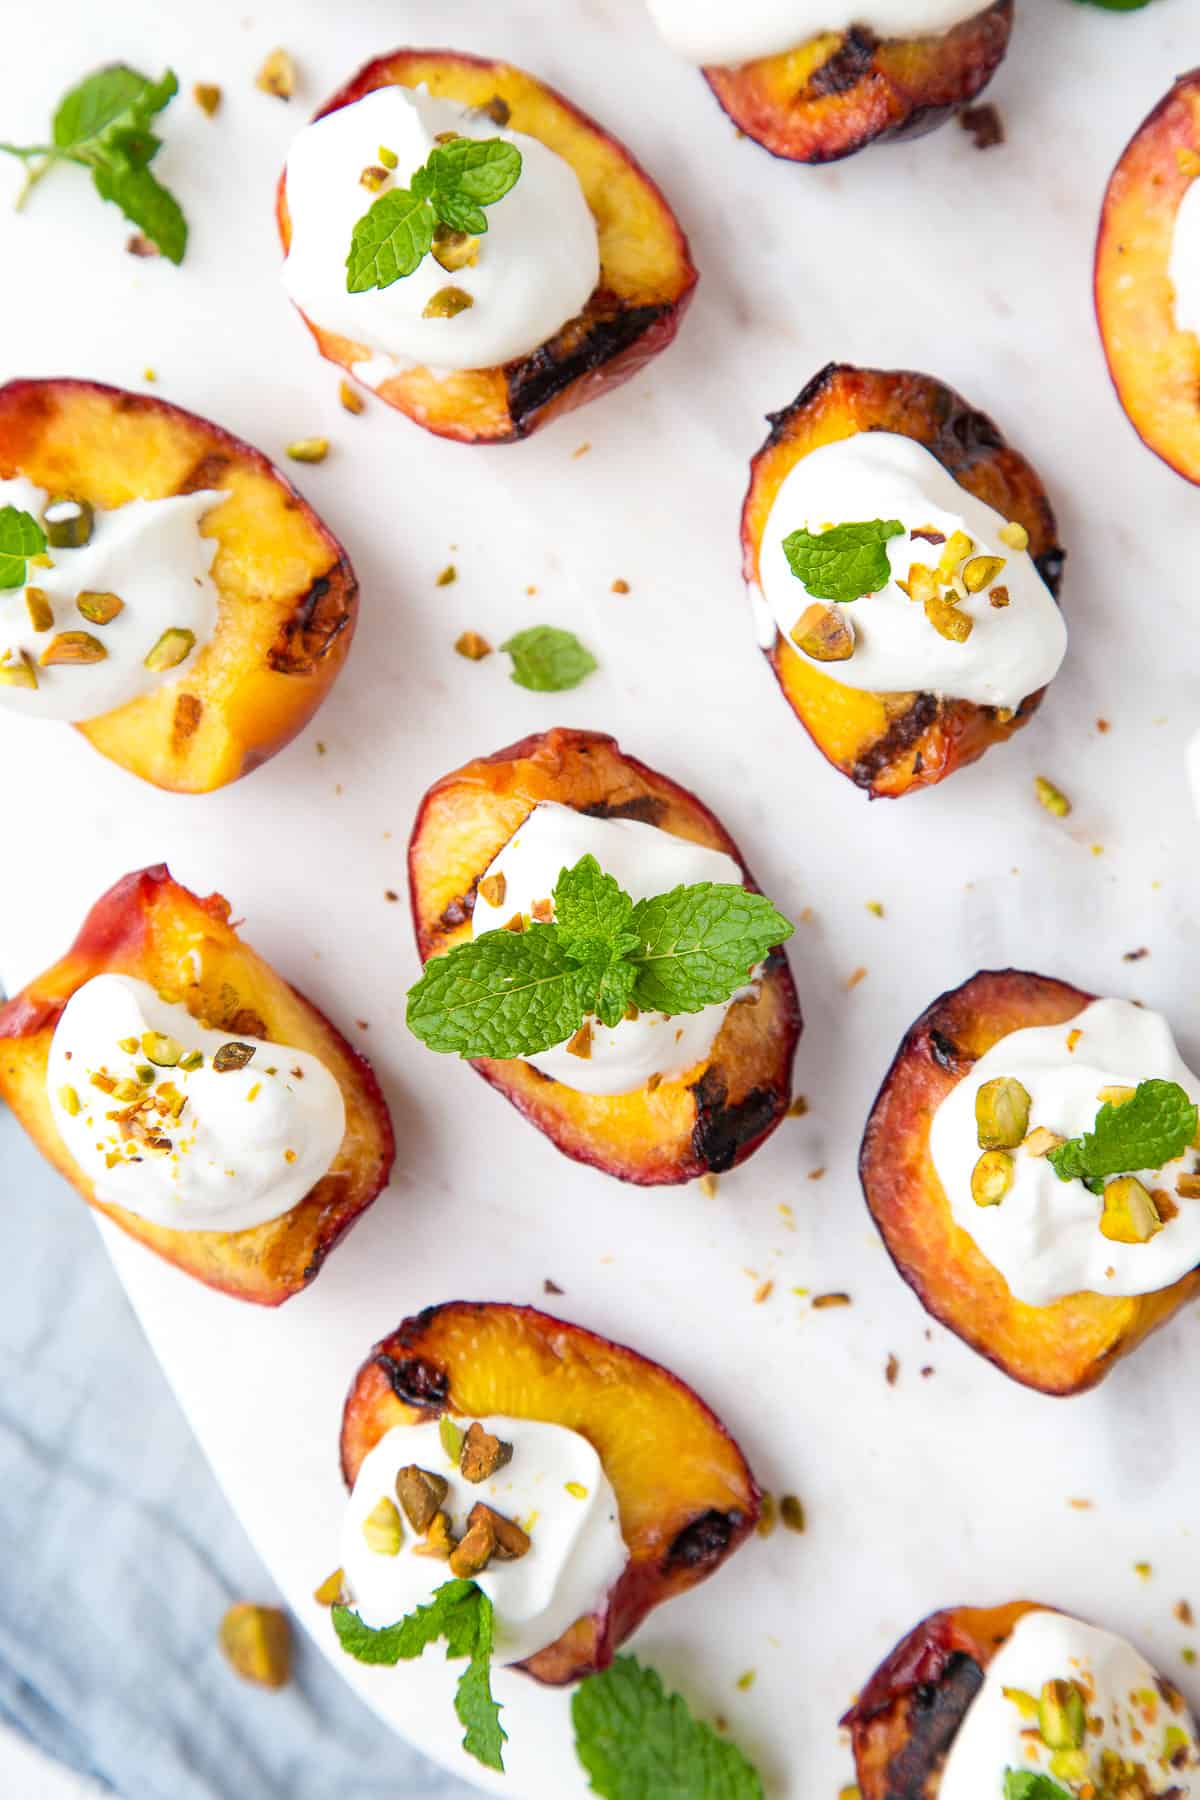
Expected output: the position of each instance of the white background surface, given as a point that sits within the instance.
(973, 267)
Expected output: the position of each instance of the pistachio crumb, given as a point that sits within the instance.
(620, 586)
(207, 96)
(791, 1513)
(745, 1680)
(875, 908)
(471, 645)
(308, 450)
(798, 1108)
(708, 1185)
(852, 981)
(822, 1301)
(1143, 1570)
(768, 1516)
(1014, 535)
(576, 1490)
(277, 75)
(447, 577)
(891, 1372)
(350, 398)
(256, 1641)
(763, 1291)
(581, 1044)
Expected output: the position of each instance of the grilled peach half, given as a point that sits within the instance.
(1063, 1348)
(686, 1496)
(646, 271)
(843, 90)
(890, 744)
(906, 1718)
(288, 598)
(151, 928)
(1154, 365)
(706, 1120)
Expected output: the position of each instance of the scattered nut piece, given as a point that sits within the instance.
(330, 1591)
(97, 608)
(447, 577)
(1188, 1186)
(821, 1301)
(71, 649)
(471, 645)
(581, 1044)
(438, 1541)
(493, 888)
(791, 1513)
(482, 1454)
(1014, 535)
(350, 398)
(824, 634)
(980, 572)
(875, 908)
(947, 621)
(1130, 1215)
(1062, 1716)
(37, 605)
(138, 244)
(452, 1437)
(1115, 1096)
(708, 1185)
(1143, 1570)
(229, 1057)
(511, 1540)
(992, 1177)
(798, 1108)
(891, 1373)
(999, 597)
(474, 1550)
(552, 1287)
(1002, 1113)
(768, 1516)
(277, 75)
(543, 912)
(853, 980)
(1052, 798)
(207, 96)
(763, 1291)
(257, 1644)
(421, 1493)
(745, 1680)
(1041, 1141)
(984, 124)
(373, 178)
(620, 586)
(447, 303)
(173, 647)
(382, 1530)
(1135, 955)
(1183, 1612)
(309, 450)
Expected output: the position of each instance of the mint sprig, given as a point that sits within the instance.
(461, 1613)
(845, 562)
(515, 993)
(1030, 1784)
(20, 538)
(548, 659)
(635, 1741)
(103, 125)
(1146, 1132)
(395, 234)
(1115, 6)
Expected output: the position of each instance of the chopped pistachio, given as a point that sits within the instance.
(146, 1074)
(447, 303)
(474, 1550)
(454, 250)
(387, 157)
(1052, 798)
(232, 1056)
(1002, 1113)
(70, 1102)
(482, 1454)
(1041, 1141)
(1026, 1704)
(17, 671)
(512, 1540)
(1188, 1186)
(173, 647)
(193, 1060)
(350, 398)
(493, 888)
(1130, 1215)
(980, 572)
(37, 605)
(709, 1185)
(576, 1490)
(947, 621)
(1062, 1718)
(67, 522)
(438, 1541)
(98, 607)
(72, 649)
(824, 634)
(308, 450)
(447, 577)
(921, 584)
(768, 1516)
(791, 1513)
(999, 596)
(421, 1493)
(207, 96)
(1115, 1096)
(129, 1045)
(256, 1641)
(1069, 1765)
(991, 1177)
(471, 645)
(1014, 535)
(277, 75)
(382, 1531)
(330, 1590)
(451, 1436)
(958, 547)
(164, 1052)
(581, 1044)
(373, 178)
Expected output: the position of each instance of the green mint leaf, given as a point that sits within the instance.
(607, 978)
(699, 943)
(845, 562)
(636, 1741)
(392, 238)
(1027, 1784)
(146, 203)
(1115, 6)
(473, 1701)
(20, 538)
(468, 174)
(1147, 1132)
(449, 1614)
(503, 994)
(109, 105)
(547, 660)
(590, 904)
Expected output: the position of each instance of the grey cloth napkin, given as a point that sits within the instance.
(119, 1555)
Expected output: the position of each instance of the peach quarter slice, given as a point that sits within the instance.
(149, 927)
(890, 744)
(646, 271)
(843, 90)
(1063, 1348)
(288, 598)
(1155, 368)
(706, 1120)
(686, 1496)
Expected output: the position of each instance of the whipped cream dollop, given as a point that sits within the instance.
(534, 269)
(1130, 1714)
(1183, 269)
(713, 31)
(554, 1487)
(646, 861)
(1012, 651)
(150, 555)
(1044, 1235)
(147, 1107)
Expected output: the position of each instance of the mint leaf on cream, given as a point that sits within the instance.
(698, 944)
(451, 189)
(636, 1741)
(1145, 1132)
(20, 538)
(460, 1612)
(503, 994)
(1030, 1784)
(845, 562)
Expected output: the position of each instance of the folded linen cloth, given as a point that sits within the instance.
(121, 1555)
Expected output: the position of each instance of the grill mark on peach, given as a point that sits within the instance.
(648, 808)
(208, 472)
(581, 347)
(946, 1053)
(850, 62)
(900, 736)
(701, 1544)
(722, 1130)
(416, 1380)
(319, 618)
(935, 1712)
